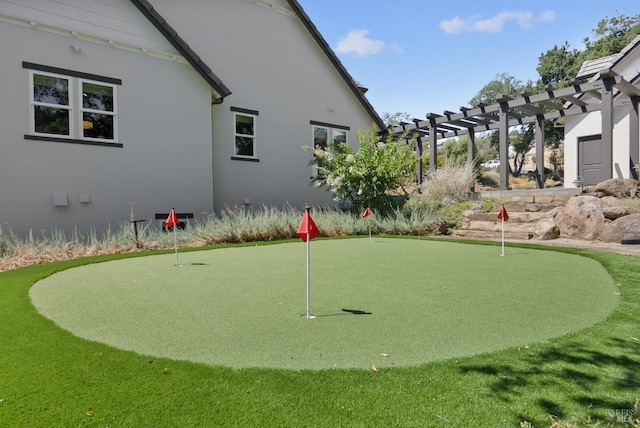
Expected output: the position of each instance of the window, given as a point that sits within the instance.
(98, 117)
(244, 134)
(72, 107)
(323, 133)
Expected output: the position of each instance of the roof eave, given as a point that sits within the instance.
(181, 46)
(313, 30)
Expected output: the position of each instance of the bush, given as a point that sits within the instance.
(444, 186)
(370, 177)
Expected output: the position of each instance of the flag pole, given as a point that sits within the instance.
(175, 238)
(175, 243)
(308, 316)
(502, 237)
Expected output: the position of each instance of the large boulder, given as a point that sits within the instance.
(627, 227)
(582, 218)
(546, 229)
(618, 187)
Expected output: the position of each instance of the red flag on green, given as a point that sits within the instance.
(367, 212)
(172, 220)
(307, 227)
(503, 214)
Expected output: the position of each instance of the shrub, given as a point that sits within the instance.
(370, 177)
(444, 186)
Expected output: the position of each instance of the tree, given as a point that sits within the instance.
(395, 119)
(558, 66)
(369, 177)
(506, 85)
(611, 36)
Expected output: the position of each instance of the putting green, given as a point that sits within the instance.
(390, 302)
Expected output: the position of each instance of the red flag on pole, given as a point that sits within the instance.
(503, 214)
(307, 227)
(367, 212)
(172, 220)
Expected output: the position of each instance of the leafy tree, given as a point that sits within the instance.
(611, 36)
(558, 66)
(369, 177)
(395, 119)
(506, 85)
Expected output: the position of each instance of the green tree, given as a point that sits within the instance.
(369, 177)
(611, 36)
(395, 119)
(520, 140)
(558, 66)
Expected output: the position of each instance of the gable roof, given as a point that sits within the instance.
(591, 67)
(205, 71)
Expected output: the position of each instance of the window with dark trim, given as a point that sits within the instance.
(325, 132)
(244, 134)
(70, 106)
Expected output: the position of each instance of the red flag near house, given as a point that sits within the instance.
(503, 214)
(367, 212)
(172, 220)
(307, 227)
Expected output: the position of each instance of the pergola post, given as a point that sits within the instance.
(634, 139)
(433, 143)
(419, 163)
(503, 146)
(607, 125)
(471, 154)
(540, 176)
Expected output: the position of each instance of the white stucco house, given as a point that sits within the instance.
(154, 104)
(603, 143)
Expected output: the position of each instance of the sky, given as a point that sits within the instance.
(421, 57)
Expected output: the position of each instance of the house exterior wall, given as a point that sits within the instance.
(273, 66)
(586, 125)
(164, 126)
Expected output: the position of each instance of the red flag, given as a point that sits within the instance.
(307, 227)
(503, 214)
(366, 213)
(172, 220)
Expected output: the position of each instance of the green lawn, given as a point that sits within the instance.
(50, 377)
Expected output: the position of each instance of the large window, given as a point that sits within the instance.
(71, 107)
(244, 133)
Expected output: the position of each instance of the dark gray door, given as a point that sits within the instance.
(590, 160)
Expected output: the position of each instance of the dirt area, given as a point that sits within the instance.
(631, 250)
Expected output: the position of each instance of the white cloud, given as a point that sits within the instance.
(495, 24)
(358, 42)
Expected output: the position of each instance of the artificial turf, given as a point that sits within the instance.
(50, 378)
(391, 302)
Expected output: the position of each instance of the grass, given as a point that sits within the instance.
(50, 378)
(240, 317)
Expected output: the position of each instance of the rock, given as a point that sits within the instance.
(620, 188)
(626, 227)
(613, 212)
(546, 229)
(554, 212)
(581, 218)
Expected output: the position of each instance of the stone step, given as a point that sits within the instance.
(514, 216)
(485, 234)
(496, 226)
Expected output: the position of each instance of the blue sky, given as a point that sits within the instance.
(420, 57)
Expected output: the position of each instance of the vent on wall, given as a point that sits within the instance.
(60, 200)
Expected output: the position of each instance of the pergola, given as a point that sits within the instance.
(605, 92)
